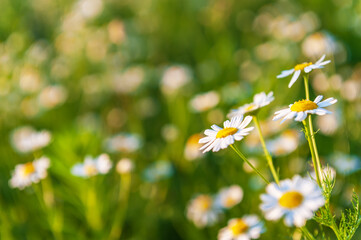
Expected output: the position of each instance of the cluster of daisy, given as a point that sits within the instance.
(205, 210)
(26, 139)
(295, 199)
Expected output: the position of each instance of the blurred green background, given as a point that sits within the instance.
(90, 69)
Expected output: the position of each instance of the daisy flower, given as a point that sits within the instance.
(259, 100)
(32, 172)
(229, 197)
(220, 138)
(245, 228)
(26, 139)
(300, 109)
(124, 166)
(297, 199)
(92, 166)
(306, 67)
(191, 150)
(202, 211)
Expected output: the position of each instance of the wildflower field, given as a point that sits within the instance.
(180, 119)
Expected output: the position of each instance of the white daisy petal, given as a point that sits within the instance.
(294, 78)
(318, 99)
(285, 73)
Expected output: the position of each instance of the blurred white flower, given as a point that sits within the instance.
(32, 172)
(191, 150)
(220, 138)
(317, 44)
(328, 124)
(246, 228)
(158, 170)
(306, 67)
(259, 100)
(26, 139)
(124, 166)
(328, 172)
(204, 101)
(52, 96)
(297, 199)
(170, 132)
(128, 81)
(123, 142)
(202, 211)
(300, 109)
(286, 143)
(345, 164)
(229, 197)
(89, 8)
(174, 78)
(92, 166)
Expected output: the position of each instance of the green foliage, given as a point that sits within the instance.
(350, 218)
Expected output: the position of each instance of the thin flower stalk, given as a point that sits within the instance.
(248, 162)
(311, 138)
(124, 189)
(267, 154)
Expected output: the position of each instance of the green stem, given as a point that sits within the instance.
(305, 78)
(307, 234)
(117, 227)
(311, 138)
(267, 154)
(308, 137)
(250, 164)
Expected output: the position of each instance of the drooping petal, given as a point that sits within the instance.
(285, 73)
(294, 78)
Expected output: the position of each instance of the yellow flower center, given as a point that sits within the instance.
(194, 139)
(303, 105)
(229, 202)
(302, 66)
(90, 170)
(238, 227)
(204, 202)
(28, 169)
(250, 107)
(291, 199)
(226, 132)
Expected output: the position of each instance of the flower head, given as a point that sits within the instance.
(297, 199)
(259, 100)
(306, 67)
(124, 166)
(123, 142)
(92, 166)
(26, 139)
(300, 109)
(245, 228)
(32, 172)
(220, 138)
(229, 197)
(202, 211)
(191, 150)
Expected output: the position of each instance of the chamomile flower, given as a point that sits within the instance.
(191, 150)
(26, 139)
(92, 166)
(245, 228)
(259, 100)
(32, 172)
(220, 138)
(300, 109)
(202, 211)
(306, 67)
(125, 166)
(297, 199)
(229, 197)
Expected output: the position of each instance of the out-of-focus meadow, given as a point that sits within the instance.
(134, 80)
